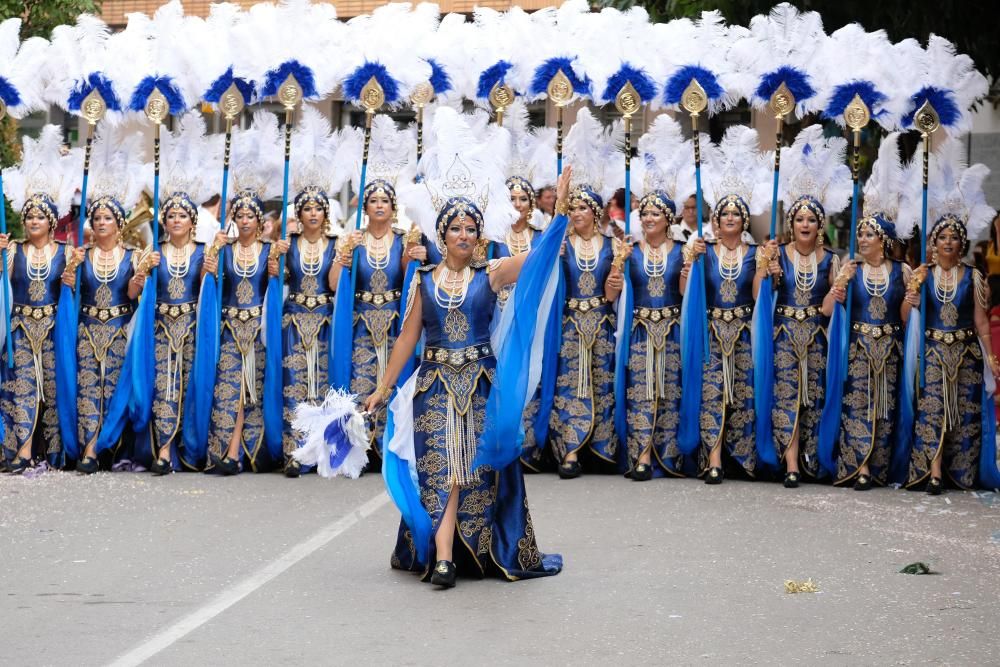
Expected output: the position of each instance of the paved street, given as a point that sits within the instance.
(260, 570)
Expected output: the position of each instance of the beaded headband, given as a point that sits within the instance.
(658, 199)
(182, 201)
(588, 196)
(732, 200)
(247, 199)
(521, 184)
(953, 223)
(312, 194)
(110, 203)
(382, 187)
(808, 202)
(44, 204)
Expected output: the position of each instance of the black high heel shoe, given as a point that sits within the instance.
(18, 465)
(227, 466)
(161, 467)
(292, 469)
(642, 472)
(570, 470)
(863, 483)
(935, 487)
(714, 475)
(444, 574)
(87, 465)
(791, 480)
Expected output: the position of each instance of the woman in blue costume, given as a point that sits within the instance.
(183, 265)
(111, 279)
(653, 391)
(948, 435)
(733, 276)
(309, 274)
(236, 434)
(880, 307)
(817, 182)
(452, 306)
(34, 267)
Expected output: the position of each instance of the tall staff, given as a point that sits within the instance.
(927, 121)
(695, 101)
(560, 91)
(420, 97)
(231, 104)
(856, 115)
(3, 268)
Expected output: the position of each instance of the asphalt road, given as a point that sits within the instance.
(261, 570)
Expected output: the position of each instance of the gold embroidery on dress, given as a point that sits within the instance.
(175, 288)
(456, 325)
(379, 281)
(656, 286)
(587, 284)
(102, 297)
(877, 309)
(244, 292)
(728, 291)
(36, 290)
(309, 285)
(949, 315)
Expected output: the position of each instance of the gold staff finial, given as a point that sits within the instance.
(782, 102)
(694, 100)
(501, 97)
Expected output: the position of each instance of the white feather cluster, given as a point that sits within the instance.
(552, 34)
(737, 166)
(614, 39)
(533, 150)
(814, 166)
(257, 160)
(190, 160)
(664, 161)
(497, 36)
(339, 411)
(75, 52)
(212, 41)
(22, 66)
(314, 149)
(594, 154)
(44, 169)
(116, 168)
(885, 187)
(392, 154)
(462, 164)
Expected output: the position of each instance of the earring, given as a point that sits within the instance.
(934, 257)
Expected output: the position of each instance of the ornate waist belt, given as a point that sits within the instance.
(730, 314)
(799, 314)
(105, 314)
(35, 312)
(457, 358)
(175, 310)
(242, 314)
(875, 330)
(949, 337)
(310, 301)
(379, 298)
(658, 314)
(585, 305)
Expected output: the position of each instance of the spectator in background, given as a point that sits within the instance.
(547, 202)
(208, 220)
(688, 226)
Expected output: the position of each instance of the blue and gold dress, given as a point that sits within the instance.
(584, 401)
(376, 322)
(948, 416)
(727, 398)
(653, 382)
(28, 392)
(874, 359)
(177, 291)
(457, 369)
(800, 358)
(305, 331)
(239, 380)
(105, 311)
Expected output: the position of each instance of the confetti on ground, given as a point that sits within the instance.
(807, 586)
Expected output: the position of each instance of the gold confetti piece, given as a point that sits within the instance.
(807, 586)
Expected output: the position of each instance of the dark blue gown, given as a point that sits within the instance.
(457, 366)
(28, 392)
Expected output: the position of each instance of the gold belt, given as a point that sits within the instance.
(657, 314)
(242, 314)
(730, 314)
(310, 301)
(35, 312)
(949, 337)
(584, 305)
(379, 298)
(174, 310)
(875, 330)
(798, 313)
(457, 358)
(105, 314)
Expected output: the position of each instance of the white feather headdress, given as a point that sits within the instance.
(620, 50)
(257, 157)
(116, 168)
(533, 150)
(885, 187)
(392, 154)
(190, 160)
(44, 170)
(76, 64)
(460, 164)
(22, 74)
(697, 50)
(813, 166)
(738, 167)
(954, 189)
(594, 155)
(664, 161)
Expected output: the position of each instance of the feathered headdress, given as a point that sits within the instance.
(738, 172)
(815, 175)
(884, 189)
(862, 64)
(392, 158)
(594, 155)
(116, 172)
(946, 79)
(213, 40)
(497, 43)
(533, 150)
(780, 48)
(627, 54)
(663, 168)
(21, 70)
(77, 63)
(257, 163)
(46, 178)
(442, 48)
(190, 162)
(556, 51)
(955, 196)
(384, 46)
(317, 174)
(696, 51)
(462, 175)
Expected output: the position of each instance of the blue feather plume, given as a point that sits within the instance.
(336, 437)
(440, 81)
(548, 69)
(676, 84)
(943, 102)
(491, 76)
(639, 79)
(100, 83)
(794, 79)
(220, 85)
(175, 100)
(844, 93)
(8, 93)
(305, 77)
(357, 80)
